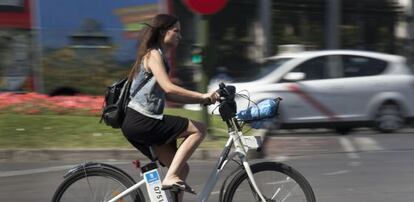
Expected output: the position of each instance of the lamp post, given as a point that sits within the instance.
(333, 20)
(201, 9)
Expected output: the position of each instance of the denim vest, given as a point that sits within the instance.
(150, 99)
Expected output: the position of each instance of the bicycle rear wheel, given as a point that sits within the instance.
(277, 182)
(95, 184)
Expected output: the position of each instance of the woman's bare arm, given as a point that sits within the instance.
(173, 92)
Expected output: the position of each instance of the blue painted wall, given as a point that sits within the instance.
(58, 19)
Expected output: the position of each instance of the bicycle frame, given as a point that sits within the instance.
(235, 138)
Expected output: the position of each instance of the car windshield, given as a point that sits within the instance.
(268, 67)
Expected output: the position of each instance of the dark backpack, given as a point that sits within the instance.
(117, 97)
(116, 100)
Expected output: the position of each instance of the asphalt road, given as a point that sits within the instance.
(360, 167)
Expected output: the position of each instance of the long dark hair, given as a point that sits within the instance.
(151, 38)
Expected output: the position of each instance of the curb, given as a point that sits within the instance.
(30, 155)
(27, 155)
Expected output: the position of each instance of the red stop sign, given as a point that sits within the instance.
(205, 7)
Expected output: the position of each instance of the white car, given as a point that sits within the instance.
(339, 89)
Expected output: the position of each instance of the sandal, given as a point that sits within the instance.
(179, 186)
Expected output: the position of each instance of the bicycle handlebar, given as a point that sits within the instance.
(228, 106)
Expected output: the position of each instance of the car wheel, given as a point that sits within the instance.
(389, 118)
(343, 130)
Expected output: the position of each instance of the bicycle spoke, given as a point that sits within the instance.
(112, 192)
(89, 184)
(285, 192)
(76, 196)
(277, 183)
(96, 184)
(283, 200)
(107, 193)
(274, 195)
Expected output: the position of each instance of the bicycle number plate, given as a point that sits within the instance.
(252, 142)
(153, 182)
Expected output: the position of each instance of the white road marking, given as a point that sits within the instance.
(35, 171)
(280, 158)
(337, 172)
(367, 144)
(349, 148)
(42, 170)
(215, 192)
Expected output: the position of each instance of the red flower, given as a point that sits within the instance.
(35, 103)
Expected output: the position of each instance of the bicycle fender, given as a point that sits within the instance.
(224, 184)
(83, 166)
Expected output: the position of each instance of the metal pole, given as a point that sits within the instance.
(333, 20)
(265, 15)
(411, 21)
(37, 41)
(410, 33)
(202, 29)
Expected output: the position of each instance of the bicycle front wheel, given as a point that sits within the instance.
(95, 184)
(276, 181)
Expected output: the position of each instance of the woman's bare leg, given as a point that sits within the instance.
(194, 135)
(165, 154)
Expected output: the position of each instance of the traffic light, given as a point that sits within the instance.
(196, 54)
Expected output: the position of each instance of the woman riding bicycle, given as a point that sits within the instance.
(145, 124)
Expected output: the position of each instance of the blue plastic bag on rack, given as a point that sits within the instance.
(259, 115)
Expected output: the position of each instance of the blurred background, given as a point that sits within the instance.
(58, 56)
(64, 47)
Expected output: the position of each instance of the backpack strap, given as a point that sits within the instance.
(147, 78)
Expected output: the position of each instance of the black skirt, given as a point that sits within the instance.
(142, 131)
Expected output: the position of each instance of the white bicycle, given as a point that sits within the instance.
(264, 181)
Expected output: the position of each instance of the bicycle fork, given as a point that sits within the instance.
(252, 181)
(241, 151)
